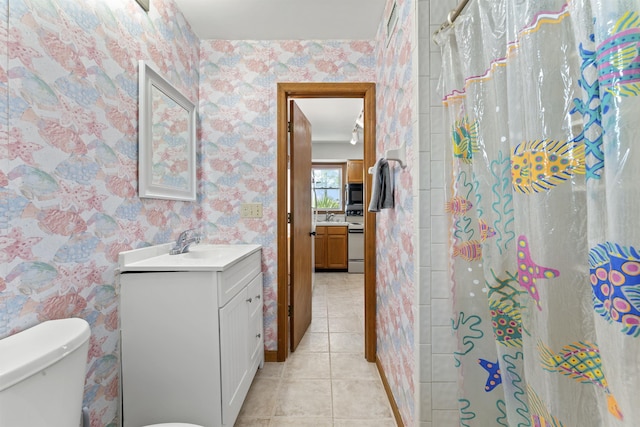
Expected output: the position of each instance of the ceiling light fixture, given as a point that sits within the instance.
(354, 136)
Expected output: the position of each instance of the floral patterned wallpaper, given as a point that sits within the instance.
(395, 239)
(238, 131)
(68, 182)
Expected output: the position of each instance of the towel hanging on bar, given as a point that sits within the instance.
(382, 191)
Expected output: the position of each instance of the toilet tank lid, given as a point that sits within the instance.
(34, 349)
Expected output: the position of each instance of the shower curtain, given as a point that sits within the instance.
(542, 114)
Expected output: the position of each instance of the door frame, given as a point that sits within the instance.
(366, 91)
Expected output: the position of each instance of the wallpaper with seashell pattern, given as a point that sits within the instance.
(68, 179)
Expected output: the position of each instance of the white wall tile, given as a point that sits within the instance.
(425, 324)
(439, 256)
(444, 395)
(435, 63)
(437, 120)
(436, 96)
(446, 418)
(425, 170)
(442, 340)
(438, 142)
(425, 286)
(424, 22)
(425, 402)
(425, 247)
(440, 284)
(444, 368)
(425, 207)
(437, 201)
(425, 131)
(424, 58)
(425, 363)
(439, 232)
(424, 95)
(441, 312)
(439, 11)
(437, 173)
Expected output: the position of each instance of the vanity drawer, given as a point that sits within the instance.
(237, 277)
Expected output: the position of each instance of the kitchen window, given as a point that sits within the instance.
(328, 184)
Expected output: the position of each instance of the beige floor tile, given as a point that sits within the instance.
(346, 342)
(318, 310)
(260, 400)
(252, 422)
(326, 382)
(387, 422)
(308, 365)
(352, 365)
(314, 342)
(319, 324)
(271, 370)
(342, 307)
(348, 323)
(300, 422)
(359, 399)
(304, 398)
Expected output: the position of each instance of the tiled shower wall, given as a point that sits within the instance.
(437, 376)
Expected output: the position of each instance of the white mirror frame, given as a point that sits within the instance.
(178, 158)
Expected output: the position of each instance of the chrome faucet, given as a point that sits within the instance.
(185, 238)
(328, 216)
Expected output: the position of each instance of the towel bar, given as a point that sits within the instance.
(397, 155)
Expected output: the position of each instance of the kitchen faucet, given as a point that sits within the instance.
(328, 216)
(185, 238)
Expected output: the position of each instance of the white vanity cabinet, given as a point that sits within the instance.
(240, 337)
(191, 336)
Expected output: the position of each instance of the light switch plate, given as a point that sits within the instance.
(251, 210)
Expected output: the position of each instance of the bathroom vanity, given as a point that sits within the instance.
(191, 333)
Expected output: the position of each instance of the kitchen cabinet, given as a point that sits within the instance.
(355, 171)
(191, 340)
(331, 247)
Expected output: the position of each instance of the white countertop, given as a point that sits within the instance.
(331, 223)
(202, 257)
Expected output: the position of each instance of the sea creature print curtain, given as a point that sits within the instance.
(542, 114)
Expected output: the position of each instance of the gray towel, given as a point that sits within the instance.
(382, 191)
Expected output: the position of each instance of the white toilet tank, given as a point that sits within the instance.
(42, 372)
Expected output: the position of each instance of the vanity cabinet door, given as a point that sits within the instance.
(256, 333)
(234, 355)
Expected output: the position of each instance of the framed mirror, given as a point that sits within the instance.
(167, 139)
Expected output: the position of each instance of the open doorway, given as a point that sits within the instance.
(287, 91)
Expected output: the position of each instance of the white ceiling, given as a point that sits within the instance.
(283, 19)
(332, 120)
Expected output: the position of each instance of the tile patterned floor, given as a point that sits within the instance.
(326, 382)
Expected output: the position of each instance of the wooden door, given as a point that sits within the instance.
(321, 248)
(301, 226)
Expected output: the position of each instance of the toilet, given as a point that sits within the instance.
(42, 373)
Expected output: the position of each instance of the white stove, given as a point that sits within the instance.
(356, 244)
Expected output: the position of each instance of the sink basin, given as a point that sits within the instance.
(206, 251)
(202, 257)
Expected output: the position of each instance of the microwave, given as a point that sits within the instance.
(354, 195)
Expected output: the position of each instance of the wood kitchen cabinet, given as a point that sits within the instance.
(355, 171)
(331, 248)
